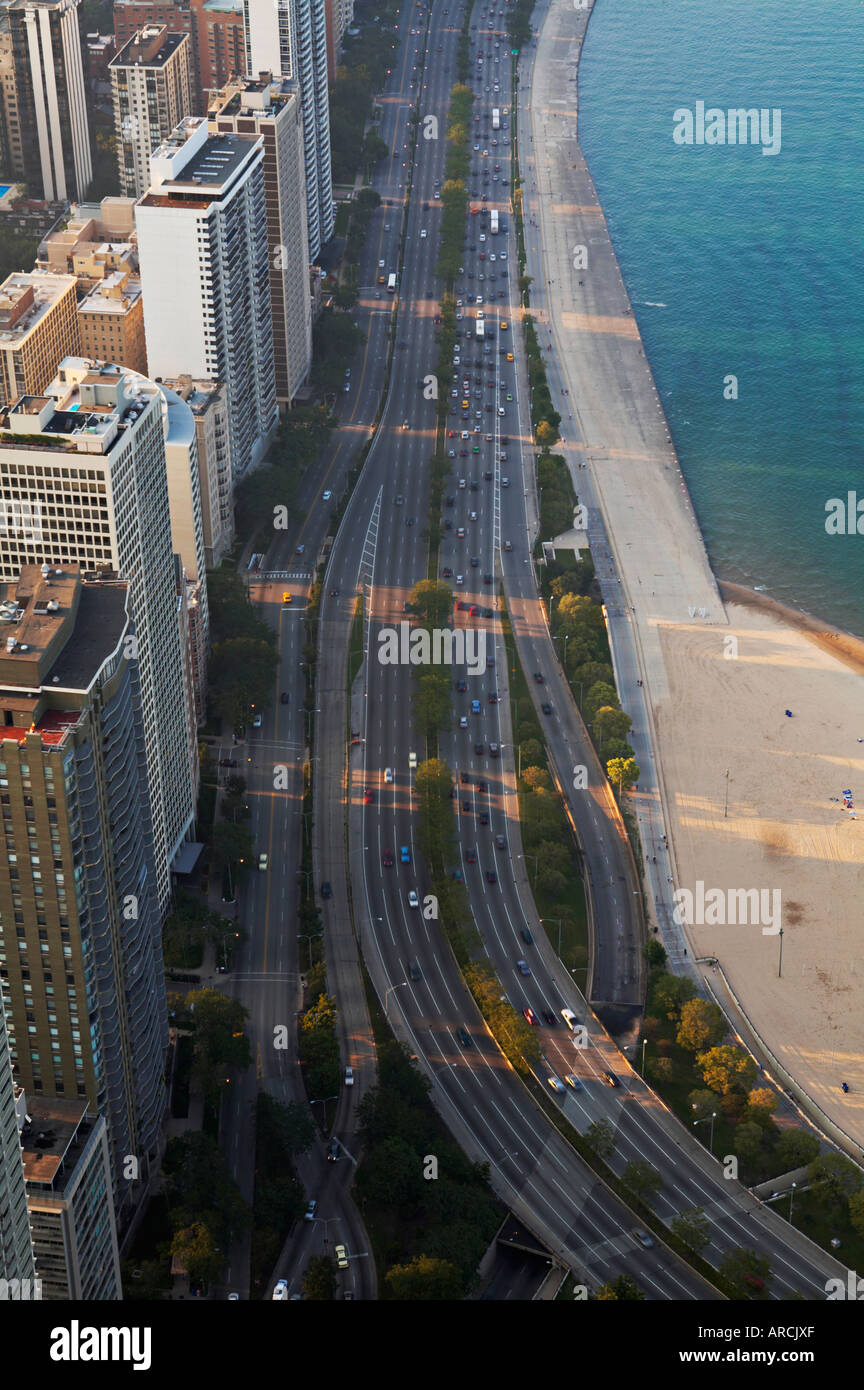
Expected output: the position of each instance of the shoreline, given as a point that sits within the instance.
(746, 795)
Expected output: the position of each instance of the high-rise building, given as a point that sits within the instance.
(86, 483)
(80, 926)
(38, 327)
(289, 39)
(42, 79)
(215, 29)
(339, 14)
(208, 401)
(152, 81)
(97, 239)
(111, 322)
(271, 108)
(69, 1195)
(16, 1248)
(204, 258)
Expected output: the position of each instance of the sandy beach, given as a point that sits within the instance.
(720, 665)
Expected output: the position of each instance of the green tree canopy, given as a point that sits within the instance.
(424, 1278)
(702, 1026)
(727, 1068)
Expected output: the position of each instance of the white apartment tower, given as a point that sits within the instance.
(47, 134)
(87, 483)
(270, 108)
(205, 262)
(151, 87)
(289, 39)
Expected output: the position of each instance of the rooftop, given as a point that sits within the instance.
(84, 410)
(151, 47)
(116, 294)
(54, 1140)
(25, 299)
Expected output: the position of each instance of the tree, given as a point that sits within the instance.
(795, 1148)
(834, 1178)
(611, 723)
(727, 1068)
(345, 296)
(432, 602)
(319, 1281)
(702, 1103)
(748, 1273)
(599, 696)
(601, 1136)
(194, 1246)
(537, 778)
(642, 1178)
(702, 1026)
(669, 995)
(693, 1229)
(623, 1289)
(761, 1105)
(199, 1187)
(624, 771)
(232, 844)
(749, 1139)
(219, 1039)
(856, 1212)
(655, 953)
(241, 674)
(531, 752)
(432, 702)
(425, 1278)
(545, 434)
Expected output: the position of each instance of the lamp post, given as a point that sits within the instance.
(403, 984)
(642, 1068)
(534, 857)
(791, 1200)
(309, 937)
(780, 962)
(559, 922)
(712, 1117)
(726, 800)
(324, 1103)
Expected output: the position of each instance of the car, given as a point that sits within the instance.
(326, 890)
(227, 762)
(475, 706)
(257, 721)
(494, 750)
(549, 1017)
(388, 774)
(531, 1017)
(538, 677)
(463, 721)
(413, 900)
(464, 1036)
(470, 856)
(546, 707)
(493, 698)
(416, 972)
(467, 807)
(500, 842)
(423, 234)
(300, 549)
(523, 967)
(574, 1082)
(643, 1237)
(460, 533)
(334, 1151)
(491, 876)
(341, 1257)
(478, 749)
(447, 572)
(510, 357)
(461, 685)
(508, 545)
(387, 858)
(754, 1282)
(284, 697)
(505, 482)
(349, 1076)
(609, 1079)
(380, 265)
(235, 1297)
(487, 578)
(400, 500)
(287, 598)
(504, 325)
(368, 796)
(412, 760)
(311, 1208)
(263, 861)
(526, 932)
(555, 1083)
(404, 854)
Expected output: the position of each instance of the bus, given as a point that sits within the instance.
(391, 282)
(496, 118)
(479, 329)
(493, 222)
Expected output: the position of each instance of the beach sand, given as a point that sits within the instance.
(782, 830)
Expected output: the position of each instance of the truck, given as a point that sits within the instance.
(493, 222)
(391, 282)
(479, 328)
(496, 118)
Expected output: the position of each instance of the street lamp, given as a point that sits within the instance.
(309, 937)
(324, 1103)
(780, 962)
(558, 920)
(712, 1117)
(642, 1068)
(534, 857)
(403, 984)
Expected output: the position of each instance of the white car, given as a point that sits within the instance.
(412, 760)
(423, 234)
(263, 862)
(341, 1257)
(413, 900)
(388, 774)
(460, 579)
(325, 496)
(463, 721)
(257, 721)
(280, 1292)
(349, 1076)
(380, 265)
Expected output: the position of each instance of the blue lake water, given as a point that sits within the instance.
(745, 264)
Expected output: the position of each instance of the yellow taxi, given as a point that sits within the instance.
(504, 325)
(509, 357)
(286, 597)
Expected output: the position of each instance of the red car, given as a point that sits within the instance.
(531, 1016)
(368, 795)
(388, 859)
(470, 856)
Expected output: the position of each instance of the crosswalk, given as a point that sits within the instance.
(283, 574)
